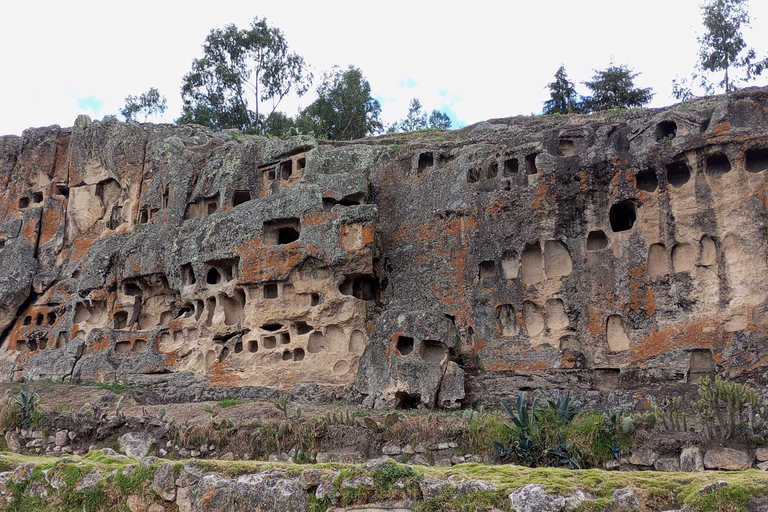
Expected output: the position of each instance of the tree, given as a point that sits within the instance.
(563, 97)
(240, 70)
(149, 103)
(344, 109)
(614, 87)
(439, 121)
(417, 120)
(722, 45)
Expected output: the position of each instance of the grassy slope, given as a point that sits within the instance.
(658, 491)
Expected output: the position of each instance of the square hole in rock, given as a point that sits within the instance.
(37, 197)
(717, 165)
(487, 269)
(596, 240)
(270, 291)
(646, 180)
(269, 342)
(666, 131)
(511, 167)
(530, 164)
(281, 231)
(240, 197)
(425, 160)
(286, 170)
(23, 202)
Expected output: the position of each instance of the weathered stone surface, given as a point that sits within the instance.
(258, 491)
(761, 454)
(22, 473)
(432, 487)
(533, 498)
(669, 464)
(135, 444)
(624, 500)
(710, 488)
(573, 501)
(643, 458)
(164, 482)
(13, 441)
(62, 438)
(472, 486)
(186, 263)
(757, 505)
(691, 459)
(88, 481)
(728, 459)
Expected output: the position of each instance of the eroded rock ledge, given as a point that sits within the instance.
(613, 254)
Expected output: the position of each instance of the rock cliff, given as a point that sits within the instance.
(619, 253)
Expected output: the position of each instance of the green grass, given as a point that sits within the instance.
(229, 402)
(658, 491)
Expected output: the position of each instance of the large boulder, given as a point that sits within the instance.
(691, 459)
(728, 459)
(136, 444)
(407, 360)
(533, 498)
(259, 492)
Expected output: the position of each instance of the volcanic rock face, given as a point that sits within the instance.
(605, 253)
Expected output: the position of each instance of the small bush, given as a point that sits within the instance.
(229, 402)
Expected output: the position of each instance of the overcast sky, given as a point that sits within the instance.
(473, 60)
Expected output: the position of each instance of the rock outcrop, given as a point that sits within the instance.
(611, 253)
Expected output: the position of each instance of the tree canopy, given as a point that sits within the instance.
(344, 109)
(240, 69)
(149, 103)
(614, 87)
(418, 120)
(563, 97)
(722, 45)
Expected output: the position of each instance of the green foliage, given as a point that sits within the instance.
(115, 387)
(723, 406)
(229, 402)
(282, 403)
(24, 411)
(614, 87)
(564, 406)
(417, 120)
(722, 47)
(239, 64)
(560, 433)
(344, 109)
(149, 103)
(563, 97)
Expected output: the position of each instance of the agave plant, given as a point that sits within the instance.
(523, 420)
(564, 406)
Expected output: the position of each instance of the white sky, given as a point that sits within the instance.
(475, 60)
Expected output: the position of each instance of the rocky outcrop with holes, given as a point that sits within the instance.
(613, 255)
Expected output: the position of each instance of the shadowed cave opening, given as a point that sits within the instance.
(596, 240)
(281, 231)
(647, 180)
(718, 165)
(405, 400)
(756, 160)
(511, 167)
(425, 160)
(404, 345)
(623, 215)
(666, 131)
(240, 197)
(678, 174)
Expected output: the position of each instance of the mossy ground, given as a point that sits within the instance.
(658, 491)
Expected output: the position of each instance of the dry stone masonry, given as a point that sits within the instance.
(614, 254)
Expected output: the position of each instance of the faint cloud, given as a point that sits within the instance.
(408, 83)
(90, 103)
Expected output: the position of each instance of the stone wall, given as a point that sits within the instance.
(613, 254)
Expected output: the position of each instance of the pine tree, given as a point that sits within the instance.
(563, 97)
(614, 87)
